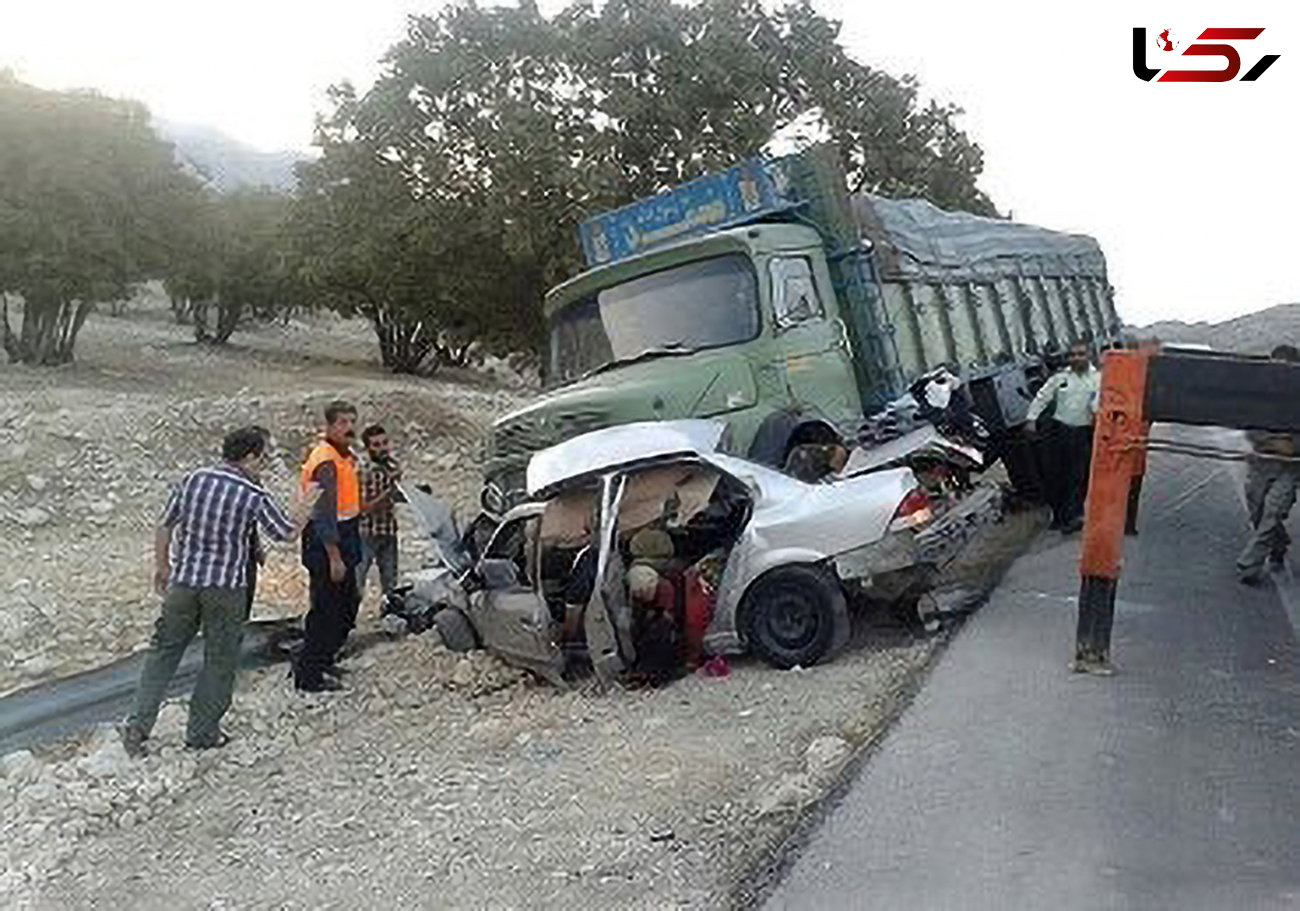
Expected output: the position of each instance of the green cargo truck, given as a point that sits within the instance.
(768, 296)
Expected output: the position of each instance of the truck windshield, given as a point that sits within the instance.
(702, 304)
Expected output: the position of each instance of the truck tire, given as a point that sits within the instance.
(455, 629)
(781, 432)
(795, 615)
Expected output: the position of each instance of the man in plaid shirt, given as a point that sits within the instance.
(202, 553)
(379, 474)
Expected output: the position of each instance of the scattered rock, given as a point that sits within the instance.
(36, 482)
(98, 806)
(463, 674)
(37, 666)
(32, 517)
(20, 766)
(825, 756)
(107, 760)
(794, 791)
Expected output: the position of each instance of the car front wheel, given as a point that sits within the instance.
(795, 615)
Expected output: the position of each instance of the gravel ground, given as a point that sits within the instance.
(87, 453)
(439, 780)
(414, 789)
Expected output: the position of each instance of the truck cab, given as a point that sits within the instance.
(742, 324)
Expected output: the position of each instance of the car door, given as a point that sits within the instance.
(509, 612)
(607, 619)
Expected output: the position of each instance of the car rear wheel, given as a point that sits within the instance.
(795, 615)
(455, 629)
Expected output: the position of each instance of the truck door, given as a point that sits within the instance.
(813, 343)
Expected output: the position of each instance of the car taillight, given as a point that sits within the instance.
(915, 510)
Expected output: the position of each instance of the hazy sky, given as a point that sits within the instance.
(1190, 188)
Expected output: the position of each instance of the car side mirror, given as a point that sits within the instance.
(498, 574)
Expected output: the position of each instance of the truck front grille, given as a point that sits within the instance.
(525, 436)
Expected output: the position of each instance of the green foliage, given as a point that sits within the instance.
(418, 268)
(89, 201)
(599, 106)
(446, 198)
(230, 262)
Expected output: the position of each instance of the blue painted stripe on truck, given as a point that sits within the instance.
(744, 193)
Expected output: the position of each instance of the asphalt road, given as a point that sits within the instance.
(1011, 783)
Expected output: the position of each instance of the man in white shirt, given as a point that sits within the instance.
(1072, 394)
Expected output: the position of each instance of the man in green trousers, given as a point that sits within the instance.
(201, 559)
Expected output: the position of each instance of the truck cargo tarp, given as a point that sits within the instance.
(915, 240)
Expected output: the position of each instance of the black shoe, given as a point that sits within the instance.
(220, 741)
(324, 685)
(1254, 580)
(337, 670)
(1072, 528)
(133, 741)
(1277, 562)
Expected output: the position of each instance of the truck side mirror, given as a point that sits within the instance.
(498, 574)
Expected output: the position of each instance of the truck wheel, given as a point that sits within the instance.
(795, 615)
(455, 629)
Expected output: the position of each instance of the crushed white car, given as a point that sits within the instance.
(744, 557)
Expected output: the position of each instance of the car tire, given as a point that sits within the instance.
(455, 629)
(795, 616)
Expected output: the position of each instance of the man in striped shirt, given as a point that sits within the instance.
(379, 476)
(202, 551)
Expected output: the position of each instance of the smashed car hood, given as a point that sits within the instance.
(895, 452)
(606, 450)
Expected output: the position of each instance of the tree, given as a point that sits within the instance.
(88, 199)
(231, 262)
(416, 262)
(493, 131)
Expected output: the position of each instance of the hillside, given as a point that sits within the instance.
(226, 163)
(1254, 333)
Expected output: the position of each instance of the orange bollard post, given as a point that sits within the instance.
(1118, 457)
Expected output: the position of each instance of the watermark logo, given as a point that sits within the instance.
(1210, 43)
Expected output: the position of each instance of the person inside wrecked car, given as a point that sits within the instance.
(654, 604)
(331, 551)
(379, 475)
(1072, 396)
(201, 568)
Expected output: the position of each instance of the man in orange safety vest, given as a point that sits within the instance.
(331, 551)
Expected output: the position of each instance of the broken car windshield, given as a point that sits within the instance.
(701, 304)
